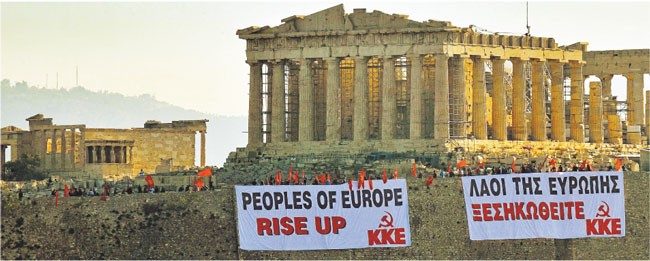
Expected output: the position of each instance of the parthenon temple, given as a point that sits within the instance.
(332, 81)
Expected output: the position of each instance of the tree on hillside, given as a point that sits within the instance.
(22, 169)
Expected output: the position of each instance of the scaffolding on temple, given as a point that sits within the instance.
(403, 99)
(347, 105)
(375, 77)
(428, 69)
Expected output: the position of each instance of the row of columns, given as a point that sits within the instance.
(634, 104)
(61, 158)
(110, 154)
(441, 99)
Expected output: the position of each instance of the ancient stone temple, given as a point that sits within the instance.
(77, 151)
(333, 82)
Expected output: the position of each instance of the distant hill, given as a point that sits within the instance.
(112, 110)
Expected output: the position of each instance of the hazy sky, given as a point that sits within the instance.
(188, 54)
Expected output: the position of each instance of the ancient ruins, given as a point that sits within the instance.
(332, 84)
(98, 153)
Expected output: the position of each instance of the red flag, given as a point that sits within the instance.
(207, 172)
(149, 181)
(289, 175)
(461, 164)
(278, 178)
(362, 179)
(370, 184)
(514, 170)
(323, 178)
(65, 191)
(619, 164)
(350, 184)
(199, 184)
(552, 162)
(395, 174)
(429, 181)
(415, 170)
(542, 165)
(384, 177)
(56, 198)
(584, 163)
(295, 178)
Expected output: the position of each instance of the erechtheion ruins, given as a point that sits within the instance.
(332, 82)
(97, 153)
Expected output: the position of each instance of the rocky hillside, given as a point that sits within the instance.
(184, 225)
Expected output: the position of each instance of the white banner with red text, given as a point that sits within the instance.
(545, 205)
(310, 217)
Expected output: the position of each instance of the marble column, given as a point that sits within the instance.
(519, 131)
(388, 100)
(416, 97)
(638, 98)
(538, 122)
(64, 148)
(54, 148)
(306, 102)
(558, 125)
(82, 145)
(499, 125)
(102, 155)
(441, 111)
(609, 107)
(202, 148)
(479, 106)
(577, 103)
(333, 130)
(595, 113)
(614, 129)
(73, 146)
(360, 117)
(278, 128)
(255, 104)
(631, 117)
(111, 151)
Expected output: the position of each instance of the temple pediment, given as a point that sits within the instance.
(335, 19)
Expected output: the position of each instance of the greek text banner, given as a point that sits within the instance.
(545, 205)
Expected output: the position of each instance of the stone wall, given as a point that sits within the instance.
(152, 146)
(203, 226)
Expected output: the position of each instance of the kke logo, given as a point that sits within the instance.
(603, 224)
(386, 234)
(386, 220)
(603, 210)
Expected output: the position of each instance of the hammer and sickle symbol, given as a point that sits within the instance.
(386, 220)
(603, 210)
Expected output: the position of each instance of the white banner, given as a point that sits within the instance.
(323, 216)
(545, 205)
